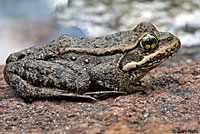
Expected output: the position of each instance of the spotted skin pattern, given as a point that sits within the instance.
(85, 68)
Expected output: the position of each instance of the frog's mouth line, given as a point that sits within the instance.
(154, 59)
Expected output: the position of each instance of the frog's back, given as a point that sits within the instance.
(124, 38)
(118, 42)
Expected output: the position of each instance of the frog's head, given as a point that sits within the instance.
(150, 49)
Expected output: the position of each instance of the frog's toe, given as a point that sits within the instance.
(101, 95)
(77, 97)
(68, 97)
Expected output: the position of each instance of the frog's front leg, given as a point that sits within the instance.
(42, 79)
(113, 78)
(110, 77)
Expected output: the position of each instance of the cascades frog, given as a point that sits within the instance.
(86, 68)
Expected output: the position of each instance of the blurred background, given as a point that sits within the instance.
(25, 23)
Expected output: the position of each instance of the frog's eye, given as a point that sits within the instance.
(149, 42)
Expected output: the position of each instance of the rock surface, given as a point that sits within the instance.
(172, 107)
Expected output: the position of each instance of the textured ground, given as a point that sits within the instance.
(172, 107)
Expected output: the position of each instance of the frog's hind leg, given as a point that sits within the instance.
(29, 91)
(100, 95)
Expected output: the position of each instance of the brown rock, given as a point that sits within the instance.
(172, 107)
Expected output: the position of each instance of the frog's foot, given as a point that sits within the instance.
(147, 86)
(101, 95)
(39, 93)
(59, 94)
(151, 86)
(136, 88)
(140, 87)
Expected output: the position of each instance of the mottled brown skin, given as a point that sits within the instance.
(74, 67)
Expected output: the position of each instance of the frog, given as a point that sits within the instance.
(85, 68)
